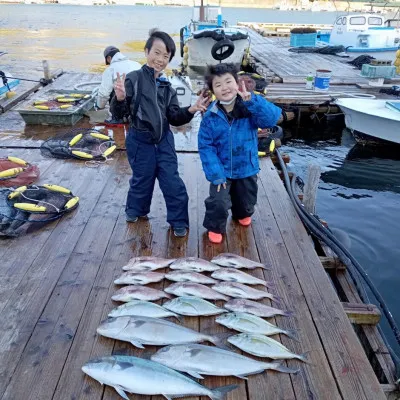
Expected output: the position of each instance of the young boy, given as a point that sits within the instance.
(228, 148)
(153, 105)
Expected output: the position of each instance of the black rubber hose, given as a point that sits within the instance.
(344, 255)
(360, 288)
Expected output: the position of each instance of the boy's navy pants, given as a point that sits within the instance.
(148, 162)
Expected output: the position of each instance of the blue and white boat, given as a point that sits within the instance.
(7, 82)
(365, 33)
(208, 40)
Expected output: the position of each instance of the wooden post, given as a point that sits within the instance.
(311, 186)
(46, 70)
(202, 11)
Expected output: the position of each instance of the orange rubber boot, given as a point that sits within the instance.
(214, 237)
(245, 221)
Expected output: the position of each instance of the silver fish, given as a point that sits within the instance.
(143, 309)
(194, 289)
(144, 377)
(193, 264)
(252, 307)
(239, 290)
(129, 293)
(263, 346)
(141, 264)
(183, 276)
(139, 278)
(235, 275)
(249, 323)
(198, 360)
(192, 306)
(152, 331)
(235, 261)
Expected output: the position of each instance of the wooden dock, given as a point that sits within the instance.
(56, 284)
(273, 55)
(56, 287)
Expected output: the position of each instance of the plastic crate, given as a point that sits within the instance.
(303, 39)
(323, 37)
(378, 71)
(33, 116)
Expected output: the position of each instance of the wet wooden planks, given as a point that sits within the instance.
(293, 67)
(64, 288)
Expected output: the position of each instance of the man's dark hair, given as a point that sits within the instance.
(165, 38)
(219, 70)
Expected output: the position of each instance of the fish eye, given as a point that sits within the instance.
(163, 350)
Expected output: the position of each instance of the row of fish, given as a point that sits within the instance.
(219, 291)
(223, 274)
(141, 322)
(194, 307)
(193, 264)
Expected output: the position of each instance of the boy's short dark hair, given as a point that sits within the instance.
(165, 38)
(219, 70)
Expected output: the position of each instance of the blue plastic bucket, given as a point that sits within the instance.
(322, 79)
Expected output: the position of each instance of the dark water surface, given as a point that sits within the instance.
(359, 192)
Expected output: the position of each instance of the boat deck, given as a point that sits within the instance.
(56, 287)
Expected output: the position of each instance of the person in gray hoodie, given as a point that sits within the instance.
(118, 63)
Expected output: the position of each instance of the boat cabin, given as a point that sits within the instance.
(364, 32)
(212, 18)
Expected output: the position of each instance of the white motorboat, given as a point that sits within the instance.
(372, 117)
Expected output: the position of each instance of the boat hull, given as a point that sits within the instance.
(372, 118)
(199, 52)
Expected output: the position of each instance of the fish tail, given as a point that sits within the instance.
(167, 296)
(277, 299)
(178, 317)
(220, 340)
(288, 314)
(292, 333)
(221, 392)
(304, 357)
(281, 368)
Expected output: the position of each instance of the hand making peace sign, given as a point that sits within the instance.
(203, 101)
(119, 87)
(243, 93)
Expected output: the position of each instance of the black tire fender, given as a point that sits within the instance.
(217, 51)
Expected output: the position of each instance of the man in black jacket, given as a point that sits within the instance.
(153, 105)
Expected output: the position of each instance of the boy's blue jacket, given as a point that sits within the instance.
(231, 150)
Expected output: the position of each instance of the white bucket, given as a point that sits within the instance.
(376, 82)
(322, 80)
